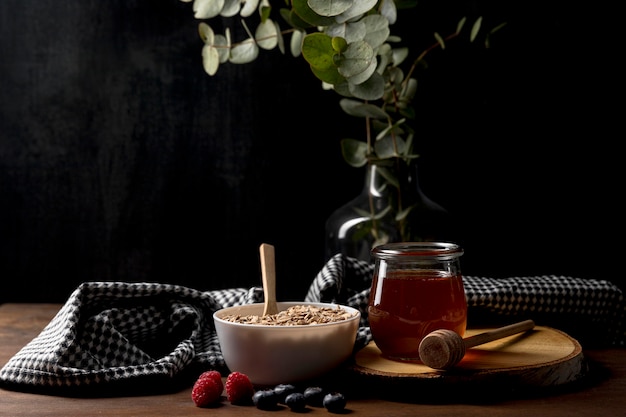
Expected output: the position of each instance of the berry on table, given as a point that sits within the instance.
(266, 399)
(206, 391)
(282, 390)
(334, 402)
(215, 376)
(314, 396)
(239, 389)
(295, 401)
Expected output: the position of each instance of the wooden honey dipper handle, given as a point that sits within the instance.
(442, 349)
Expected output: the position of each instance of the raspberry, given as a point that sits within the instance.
(239, 389)
(215, 376)
(206, 391)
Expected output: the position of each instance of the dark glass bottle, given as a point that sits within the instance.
(390, 208)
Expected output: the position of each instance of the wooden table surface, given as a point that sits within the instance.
(602, 392)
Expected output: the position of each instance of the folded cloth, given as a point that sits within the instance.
(113, 334)
(139, 337)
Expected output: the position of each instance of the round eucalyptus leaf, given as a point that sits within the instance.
(206, 9)
(356, 59)
(266, 35)
(230, 8)
(377, 30)
(359, 109)
(249, 7)
(206, 33)
(305, 13)
(244, 52)
(365, 75)
(354, 152)
(331, 8)
(280, 39)
(296, 42)
(318, 50)
(389, 10)
(351, 32)
(399, 55)
(220, 43)
(338, 43)
(328, 75)
(357, 9)
(372, 89)
(210, 59)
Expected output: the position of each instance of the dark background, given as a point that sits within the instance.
(120, 159)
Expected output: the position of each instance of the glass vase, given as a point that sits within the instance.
(390, 208)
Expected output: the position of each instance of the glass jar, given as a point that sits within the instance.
(417, 288)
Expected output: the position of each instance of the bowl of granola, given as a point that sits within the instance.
(302, 341)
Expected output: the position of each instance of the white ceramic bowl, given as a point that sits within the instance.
(272, 355)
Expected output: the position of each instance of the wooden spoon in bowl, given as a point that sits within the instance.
(268, 272)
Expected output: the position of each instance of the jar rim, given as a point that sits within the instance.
(434, 250)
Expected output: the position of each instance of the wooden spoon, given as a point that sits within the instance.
(268, 272)
(442, 349)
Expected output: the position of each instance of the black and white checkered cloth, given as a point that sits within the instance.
(134, 335)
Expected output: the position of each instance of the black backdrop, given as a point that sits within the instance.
(120, 159)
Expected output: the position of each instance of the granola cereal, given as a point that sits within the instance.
(297, 315)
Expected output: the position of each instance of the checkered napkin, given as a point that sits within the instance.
(125, 336)
(142, 336)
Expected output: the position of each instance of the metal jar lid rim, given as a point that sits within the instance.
(436, 250)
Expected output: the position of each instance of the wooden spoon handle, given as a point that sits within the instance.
(268, 272)
(498, 333)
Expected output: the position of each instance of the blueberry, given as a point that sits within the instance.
(282, 390)
(265, 399)
(295, 401)
(334, 402)
(314, 396)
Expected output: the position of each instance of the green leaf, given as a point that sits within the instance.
(210, 59)
(328, 75)
(459, 26)
(365, 75)
(354, 152)
(206, 9)
(351, 32)
(329, 8)
(359, 109)
(389, 10)
(356, 59)
(372, 89)
(244, 52)
(296, 42)
(318, 50)
(293, 20)
(390, 147)
(266, 35)
(356, 9)
(401, 215)
(388, 175)
(440, 40)
(305, 13)
(339, 44)
(377, 30)
(476, 28)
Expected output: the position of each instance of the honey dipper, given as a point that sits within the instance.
(442, 349)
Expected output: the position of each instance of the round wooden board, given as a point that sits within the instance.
(540, 357)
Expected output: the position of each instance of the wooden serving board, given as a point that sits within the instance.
(540, 357)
